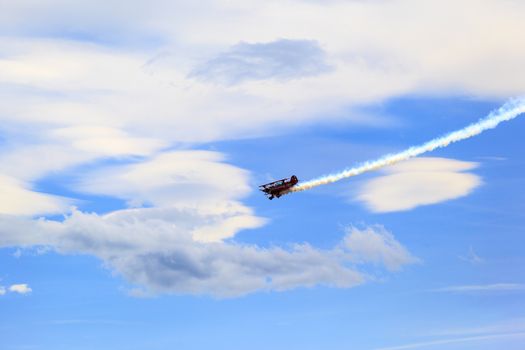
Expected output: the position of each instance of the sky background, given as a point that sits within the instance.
(134, 138)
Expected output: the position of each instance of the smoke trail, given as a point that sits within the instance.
(510, 110)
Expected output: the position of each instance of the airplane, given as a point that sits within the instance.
(279, 187)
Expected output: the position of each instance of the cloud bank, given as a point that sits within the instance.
(154, 250)
(86, 88)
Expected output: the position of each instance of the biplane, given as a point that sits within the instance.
(279, 187)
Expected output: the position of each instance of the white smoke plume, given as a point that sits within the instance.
(508, 111)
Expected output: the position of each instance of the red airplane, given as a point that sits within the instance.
(279, 187)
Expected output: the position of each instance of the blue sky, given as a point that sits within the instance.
(134, 139)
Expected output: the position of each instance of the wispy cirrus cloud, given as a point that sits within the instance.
(483, 288)
(511, 330)
(471, 257)
(444, 342)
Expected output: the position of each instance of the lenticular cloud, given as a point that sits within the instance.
(508, 111)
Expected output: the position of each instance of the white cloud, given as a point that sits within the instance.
(41, 153)
(399, 36)
(106, 141)
(420, 181)
(171, 178)
(154, 249)
(29, 162)
(196, 181)
(404, 52)
(377, 245)
(2, 290)
(17, 199)
(20, 288)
